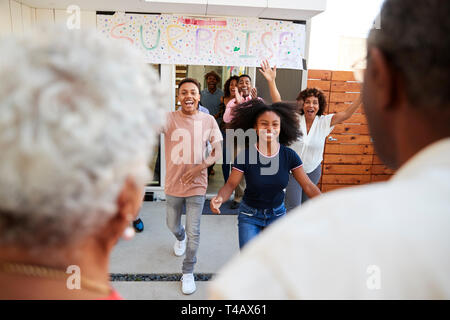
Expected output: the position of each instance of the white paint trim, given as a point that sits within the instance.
(307, 46)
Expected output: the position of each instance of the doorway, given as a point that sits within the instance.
(215, 179)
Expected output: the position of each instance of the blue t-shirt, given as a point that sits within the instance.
(266, 177)
(211, 101)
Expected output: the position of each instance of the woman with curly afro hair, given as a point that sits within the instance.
(265, 163)
(315, 126)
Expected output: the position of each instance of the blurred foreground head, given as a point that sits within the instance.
(78, 115)
(406, 92)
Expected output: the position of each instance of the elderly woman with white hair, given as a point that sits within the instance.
(78, 116)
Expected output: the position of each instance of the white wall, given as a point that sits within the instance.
(16, 18)
(5, 18)
(338, 34)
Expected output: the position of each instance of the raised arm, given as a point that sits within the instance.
(225, 192)
(270, 75)
(340, 117)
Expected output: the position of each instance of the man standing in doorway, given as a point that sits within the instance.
(210, 99)
(210, 96)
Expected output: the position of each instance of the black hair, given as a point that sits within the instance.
(244, 76)
(190, 80)
(226, 87)
(214, 74)
(245, 116)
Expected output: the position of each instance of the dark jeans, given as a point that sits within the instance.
(251, 221)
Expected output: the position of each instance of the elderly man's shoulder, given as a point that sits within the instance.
(326, 248)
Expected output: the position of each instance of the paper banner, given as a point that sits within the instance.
(169, 39)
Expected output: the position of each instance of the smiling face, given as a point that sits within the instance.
(189, 96)
(211, 81)
(233, 85)
(311, 107)
(244, 86)
(268, 126)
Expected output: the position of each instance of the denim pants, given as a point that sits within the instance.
(194, 208)
(295, 195)
(251, 221)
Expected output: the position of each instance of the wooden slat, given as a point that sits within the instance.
(331, 187)
(348, 149)
(342, 106)
(341, 86)
(357, 118)
(377, 160)
(319, 74)
(345, 179)
(343, 97)
(380, 177)
(319, 84)
(381, 169)
(349, 139)
(342, 76)
(347, 159)
(351, 128)
(346, 169)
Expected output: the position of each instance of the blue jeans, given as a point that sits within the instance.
(251, 221)
(194, 208)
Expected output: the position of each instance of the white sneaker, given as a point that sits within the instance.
(188, 283)
(179, 247)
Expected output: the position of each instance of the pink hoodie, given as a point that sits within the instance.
(227, 116)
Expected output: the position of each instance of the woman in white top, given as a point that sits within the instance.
(315, 127)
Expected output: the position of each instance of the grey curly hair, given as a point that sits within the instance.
(78, 115)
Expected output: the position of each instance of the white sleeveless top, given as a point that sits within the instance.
(310, 146)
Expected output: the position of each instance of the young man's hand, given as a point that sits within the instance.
(215, 204)
(190, 175)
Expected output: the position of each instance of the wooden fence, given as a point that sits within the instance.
(349, 157)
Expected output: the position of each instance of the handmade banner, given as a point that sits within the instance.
(169, 39)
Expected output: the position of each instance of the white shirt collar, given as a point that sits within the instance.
(433, 155)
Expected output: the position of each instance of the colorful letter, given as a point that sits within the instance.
(267, 46)
(120, 37)
(158, 38)
(198, 38)
(285, 52)
(247, 41)
(176, 37)
(218, 43)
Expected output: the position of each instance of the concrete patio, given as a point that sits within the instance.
(151, 253)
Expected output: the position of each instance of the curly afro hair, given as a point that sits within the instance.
(313, 92)
(245, 116)
(226, 87)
